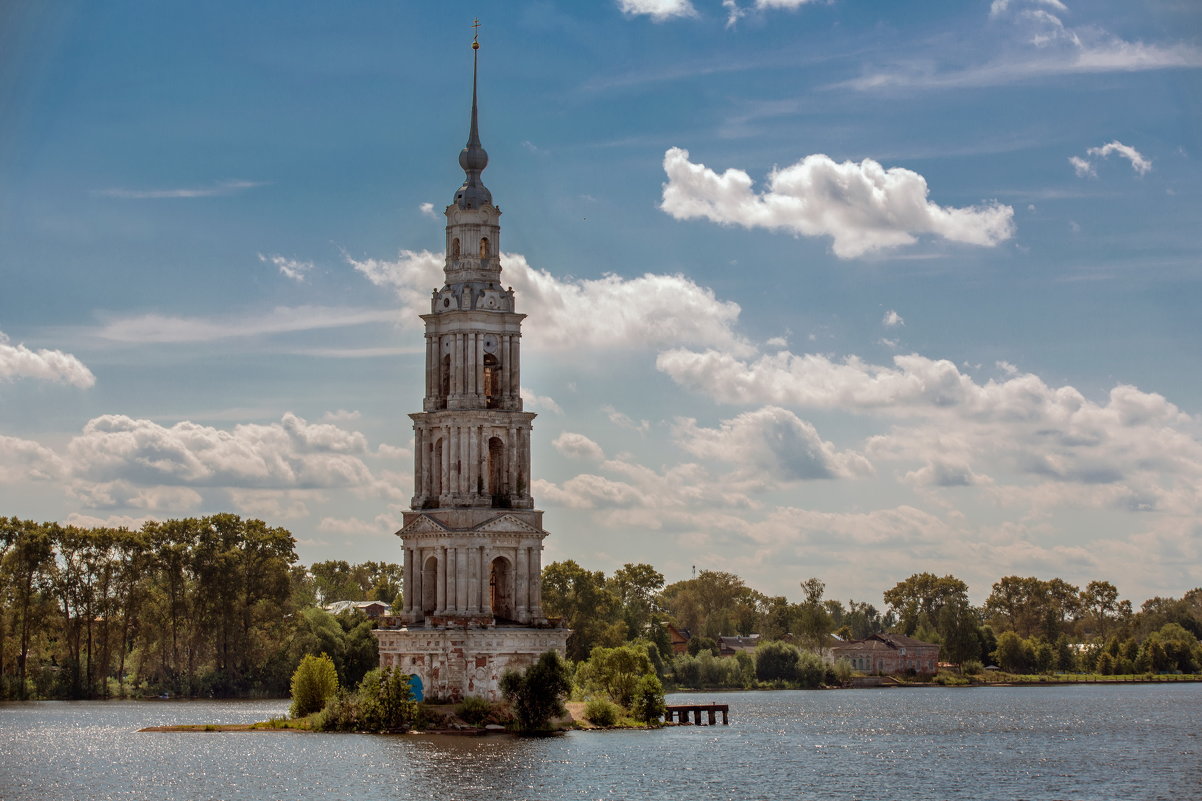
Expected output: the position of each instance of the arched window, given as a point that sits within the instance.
(496, 472)
(492, 381)
(455, 248)
(429, 599)
(500, 589)
(436, 478)
(484, 248)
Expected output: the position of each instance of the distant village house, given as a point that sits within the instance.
(888, 653)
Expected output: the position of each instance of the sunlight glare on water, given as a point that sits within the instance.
(1079, 742)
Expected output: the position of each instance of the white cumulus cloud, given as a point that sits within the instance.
(862, 206)
(578, 446)
(892, 319)
(22, 459)
(292, 453)
(658, 10)
(770, 445)
(18, 361)
(650, 310)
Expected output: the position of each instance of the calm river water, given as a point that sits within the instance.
(1077, 742)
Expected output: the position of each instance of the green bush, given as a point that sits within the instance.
(313, 683)
(473, 709)
(686, 670)
(384, 701)
(602, 712)
(537, 693)
(971, 667)
(647, 703)
(949, 679)
(811, 670)
(842, 671)
(616, 671)
(776, 661)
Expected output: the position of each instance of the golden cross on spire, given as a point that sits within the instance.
(476, 33)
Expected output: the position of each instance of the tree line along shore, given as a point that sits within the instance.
(220, 606)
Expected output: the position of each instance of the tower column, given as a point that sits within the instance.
(479, 368)
(465, 436)
(441, 602)
(431, 369)
(511, 391)
(523, 579)
(536, 582)
(517, 366)
(511, 452)
(456, 385)
(407, 586)
(461, 582)
(418, 450)
(473, 462)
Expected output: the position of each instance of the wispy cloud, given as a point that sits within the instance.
(216, 190)
(289, 268)
(1039, 44)
(281, 320)
(1086, 168)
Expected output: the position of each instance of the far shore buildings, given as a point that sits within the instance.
(473, 539)
(888, 653)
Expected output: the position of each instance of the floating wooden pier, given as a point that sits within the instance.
(679, 713)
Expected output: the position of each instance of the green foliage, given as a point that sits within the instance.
(698, 644)
(777, 661)
(811, 670)
(636, 588)
(537, 693)
(713, 604)
(473, 709)
(745, 669)
(971, 667)
(842, 672)
(384, 701)
(813, 621)
(616, 671)
(314, 682)
(602, 712)
(949, 679)
(686, 670)
(591, 610)
(1013, 654)
(647, 701)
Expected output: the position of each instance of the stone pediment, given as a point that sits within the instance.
(507, 523)
(501, 524)
(423, 525)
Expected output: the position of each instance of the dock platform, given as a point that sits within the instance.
(680, 713)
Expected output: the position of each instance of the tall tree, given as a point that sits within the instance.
(581, 598)
(920, 599)
(637, 586)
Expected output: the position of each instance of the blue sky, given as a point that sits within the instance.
(838, 289)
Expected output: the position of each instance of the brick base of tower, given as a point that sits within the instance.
(454, 663)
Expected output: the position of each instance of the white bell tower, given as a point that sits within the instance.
(473, 540)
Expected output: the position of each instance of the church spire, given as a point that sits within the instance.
(473, 158)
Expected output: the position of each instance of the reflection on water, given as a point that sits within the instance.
(1085, 742)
